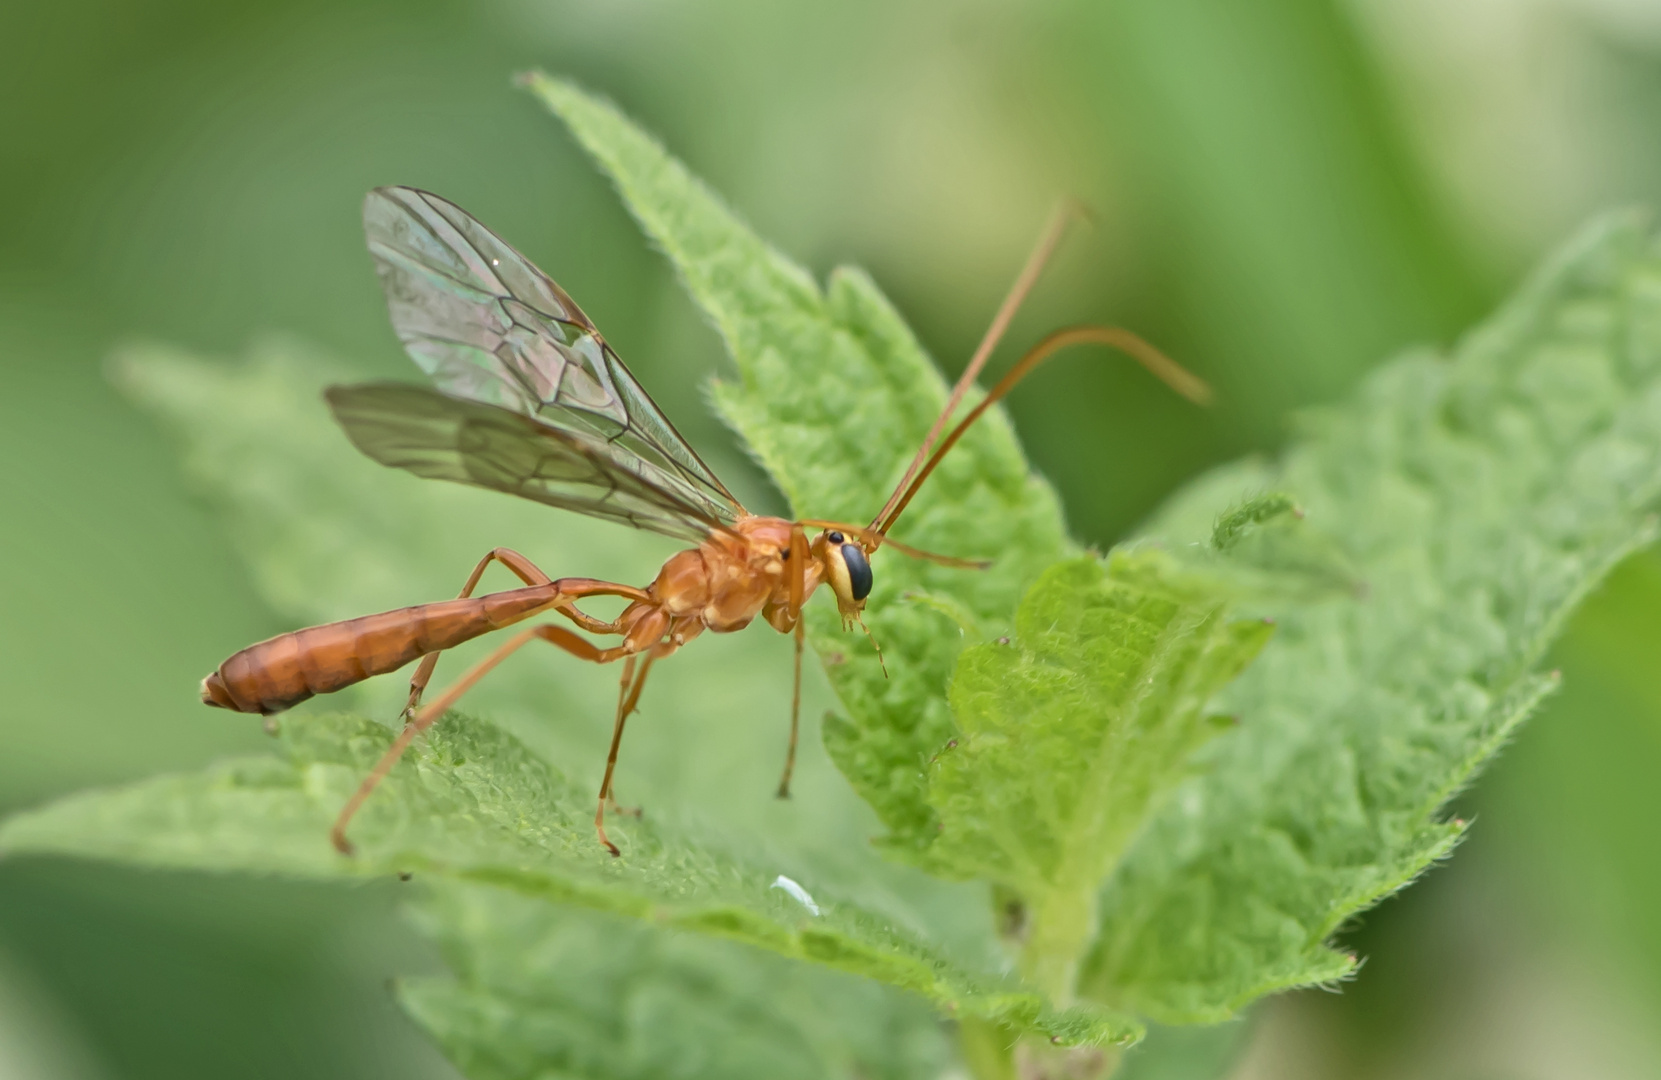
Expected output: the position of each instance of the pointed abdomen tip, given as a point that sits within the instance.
(215, 694)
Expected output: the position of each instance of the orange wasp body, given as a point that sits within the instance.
(531, 400)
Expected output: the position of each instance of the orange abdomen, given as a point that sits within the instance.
(283, 671)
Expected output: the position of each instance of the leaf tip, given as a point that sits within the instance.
(538, 81)
(559, 95)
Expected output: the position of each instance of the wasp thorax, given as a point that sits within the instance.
(847, 571)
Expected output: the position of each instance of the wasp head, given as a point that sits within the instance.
(847, 571)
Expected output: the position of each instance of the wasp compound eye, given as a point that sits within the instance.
(834, 537)
(859, 570)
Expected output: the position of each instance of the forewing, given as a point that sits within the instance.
(433, 434)
(487, 325)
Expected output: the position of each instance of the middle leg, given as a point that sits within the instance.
(795, 716)
(656, 635)
(793, 615)
(609, 793)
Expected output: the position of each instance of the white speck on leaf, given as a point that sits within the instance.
(795, 890)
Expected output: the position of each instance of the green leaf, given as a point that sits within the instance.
(1249, 518)
(1478, 497)
(474, 804)
(834, 396)
(1072, 731)
(539, 989)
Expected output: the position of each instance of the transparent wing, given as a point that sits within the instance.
(432, 434)
(488, 326)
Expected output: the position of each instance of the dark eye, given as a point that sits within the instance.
(859, 570)
(834, 537)
(784, 553)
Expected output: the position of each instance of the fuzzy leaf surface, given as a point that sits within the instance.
(475, 805)
(1075, 726)
(833, 397)
(1477, 497)
(539, 988)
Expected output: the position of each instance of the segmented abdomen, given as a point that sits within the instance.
(283, 671)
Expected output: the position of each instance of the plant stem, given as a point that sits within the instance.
(1061, 923)
(1052, 929)
(988, 1049)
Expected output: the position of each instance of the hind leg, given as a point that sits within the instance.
(522, 568)
(530, 574)
(557, 636)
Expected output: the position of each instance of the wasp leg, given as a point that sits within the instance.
(530, 574)
(557, 636)
(650, 631)
(795, 717)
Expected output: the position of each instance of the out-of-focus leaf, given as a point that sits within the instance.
(474, 804)
(834, 396)
(1285, 228)
(538, 988)
(1478, 497)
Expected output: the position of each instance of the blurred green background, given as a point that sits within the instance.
(1287, 191)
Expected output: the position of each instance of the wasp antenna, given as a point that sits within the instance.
(1082, 211)
(1048, 241)
(1168, 371)
(933, 556)
(872, 538)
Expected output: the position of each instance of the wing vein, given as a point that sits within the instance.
(529, 399)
